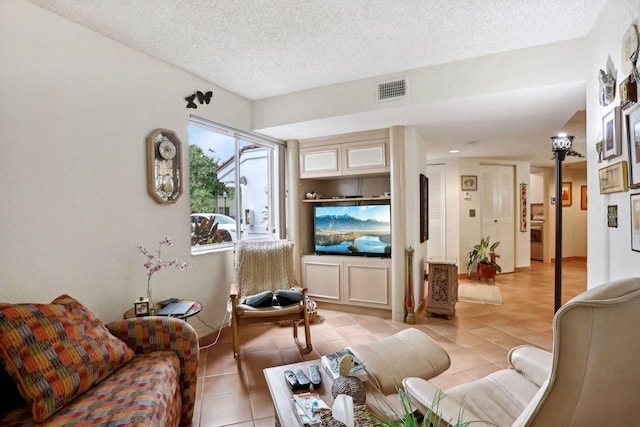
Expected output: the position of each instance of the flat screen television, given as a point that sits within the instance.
(363, 230)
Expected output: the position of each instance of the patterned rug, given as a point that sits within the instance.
(480, 294)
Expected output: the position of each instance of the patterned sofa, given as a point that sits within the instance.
(62, 366)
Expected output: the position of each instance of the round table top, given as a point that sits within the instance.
(195, 309)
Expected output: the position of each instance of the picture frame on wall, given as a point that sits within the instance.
(613, 178)
(612, 146)
(583, 197)
(469, 182)
(635, 222)
(567, 197)
(424, 208)
(632, 124)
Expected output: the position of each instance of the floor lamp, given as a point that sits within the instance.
(561, 146)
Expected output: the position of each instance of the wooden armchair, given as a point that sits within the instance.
(266, 266)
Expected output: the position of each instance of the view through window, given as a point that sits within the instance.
(234, 185)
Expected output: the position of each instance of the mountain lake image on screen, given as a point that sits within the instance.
(363, 230)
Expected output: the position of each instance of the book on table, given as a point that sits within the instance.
(331, 361)
(307, 406)
(175, 309)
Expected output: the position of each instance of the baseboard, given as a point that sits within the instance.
(379, 312)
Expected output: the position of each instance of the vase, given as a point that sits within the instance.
(150, 299)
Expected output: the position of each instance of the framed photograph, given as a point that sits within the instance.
(632, 121)
(613, 178)
(424, 208)
(583, 197)
(611, 131)
(141, 307)
(567, 197)
(469, 182)
(635, 222)
(612, 216)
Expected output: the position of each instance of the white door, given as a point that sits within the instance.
(437, 215)
(498, 211)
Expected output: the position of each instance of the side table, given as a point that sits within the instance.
(442, 286)
(195, 309)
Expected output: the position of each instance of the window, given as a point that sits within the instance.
(236, 185)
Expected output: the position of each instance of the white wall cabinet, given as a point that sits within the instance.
(359, 281)
(351, 158)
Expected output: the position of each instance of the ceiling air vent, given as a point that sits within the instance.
(392, 90)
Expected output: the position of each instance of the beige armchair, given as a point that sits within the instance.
(266, 266)
(591, 378)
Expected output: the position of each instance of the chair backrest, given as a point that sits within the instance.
(264, 265)
(595, 374)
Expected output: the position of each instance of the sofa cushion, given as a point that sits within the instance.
(55, 352)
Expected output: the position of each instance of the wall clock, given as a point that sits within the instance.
(164, 171)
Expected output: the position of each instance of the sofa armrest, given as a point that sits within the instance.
(532, 362)
(158, 333)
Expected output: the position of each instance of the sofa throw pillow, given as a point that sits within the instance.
(263, 299)
(55, 352)
(288, 296)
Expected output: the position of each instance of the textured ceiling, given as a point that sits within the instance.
(265, 48)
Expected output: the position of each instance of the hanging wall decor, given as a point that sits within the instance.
(202, 97)
(523, 207)
(164, 166)
(632, 124)
(611, 131)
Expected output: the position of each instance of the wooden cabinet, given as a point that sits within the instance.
(359, 281)
(349, 158)
(365, 157)
(318, 162)
(442, 286)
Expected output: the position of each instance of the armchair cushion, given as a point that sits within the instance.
(55, 352)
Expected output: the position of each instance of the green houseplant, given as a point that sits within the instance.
(483, 257)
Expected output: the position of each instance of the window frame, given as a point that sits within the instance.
(276, 150)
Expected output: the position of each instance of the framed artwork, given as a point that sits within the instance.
(632, 121)
(635, 222)
(424, 208)
(567, 197)
(611, 131)
(523, 207)
(141, 307)
(613, 178)
(583, 197)
(469, 182)
(612, 216)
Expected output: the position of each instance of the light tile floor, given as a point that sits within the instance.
(477, 339)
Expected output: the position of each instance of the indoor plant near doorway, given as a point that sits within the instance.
(483, 258)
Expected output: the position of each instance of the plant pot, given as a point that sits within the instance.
(486, 271)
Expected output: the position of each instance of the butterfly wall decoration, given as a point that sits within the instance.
(202, 97)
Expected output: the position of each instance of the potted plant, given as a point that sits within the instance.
(483, 258)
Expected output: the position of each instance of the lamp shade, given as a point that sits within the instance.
(562, 143)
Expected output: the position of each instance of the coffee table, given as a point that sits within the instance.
(281, 393)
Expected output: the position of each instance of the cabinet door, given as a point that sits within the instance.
(320, 161)
(368, 282)
(322, 276)
(365, 157)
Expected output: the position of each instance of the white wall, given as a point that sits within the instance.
(76, 109)
(609, 249)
